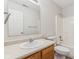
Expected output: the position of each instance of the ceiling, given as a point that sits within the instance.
(64, 3)
(60, 3)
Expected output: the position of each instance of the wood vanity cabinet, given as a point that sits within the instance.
(47, 53)
(35, 56)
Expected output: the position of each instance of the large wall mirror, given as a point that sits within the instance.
(24, 18)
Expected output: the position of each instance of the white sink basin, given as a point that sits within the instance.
(33, 44)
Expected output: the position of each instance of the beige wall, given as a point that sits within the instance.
(68, 11)
(48, 13)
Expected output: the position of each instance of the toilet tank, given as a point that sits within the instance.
(52, 38)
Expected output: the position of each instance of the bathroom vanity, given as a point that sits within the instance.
(44, 51)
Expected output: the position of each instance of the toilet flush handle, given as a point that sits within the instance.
(60, 38)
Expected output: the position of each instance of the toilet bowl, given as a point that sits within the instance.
(62, 50)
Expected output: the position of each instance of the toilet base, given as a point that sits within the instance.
(58, 56)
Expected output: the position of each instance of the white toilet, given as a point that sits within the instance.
(61, 51)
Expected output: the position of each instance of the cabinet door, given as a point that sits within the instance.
(35, 56)
(48, 53)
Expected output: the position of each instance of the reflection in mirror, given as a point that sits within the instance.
(24, 18)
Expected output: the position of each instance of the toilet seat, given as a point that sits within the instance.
(62, 50)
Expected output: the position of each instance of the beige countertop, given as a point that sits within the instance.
(16, 52)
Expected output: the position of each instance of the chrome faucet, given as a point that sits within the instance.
(30, 40)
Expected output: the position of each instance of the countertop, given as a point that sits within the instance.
(16, 52)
